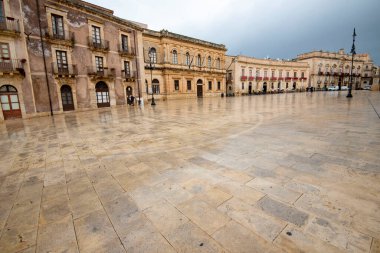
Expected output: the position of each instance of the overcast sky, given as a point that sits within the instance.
(263, 28)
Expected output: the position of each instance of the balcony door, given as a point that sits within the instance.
(5, 57)
(10, 103)
(57, 25)
(96, 39)
(99, 65)
(199, 88)
(63, 67)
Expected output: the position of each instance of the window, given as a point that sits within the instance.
(155, 86)
(175, 57)
(295, 74)
(2, 8)
(57, 24)
(209, 85)
(209, 61)
(199, 60)
(99, 64)
(187, 59)
(188, 84)
(124, 43)
(153, 55)
(242, 86)
(243, 72)
(265, 73)
(280, 73)
(218, 63)
(218, 85)
(176, 84)
(272, 73)
(62, 61)
(127, 68)
(302, 74)
(287, 74)
(257, 73)
(5, 56)
(96, 39)
(250, 72)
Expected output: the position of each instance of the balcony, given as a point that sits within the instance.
(12, 67)
(9, 26)
(64, 70)
(259, 78)
(243, 78)
(98, 45)
(127, 51)
(288, 78)
(128, 76)
(266, 78)
(273, 78)
(295, 78)
(280, 78)
(66, 39)
(303, 78)
(327, 73)
(100, 73)
(251, 78)
(320, 73)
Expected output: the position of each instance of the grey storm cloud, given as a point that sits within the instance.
(271, 28)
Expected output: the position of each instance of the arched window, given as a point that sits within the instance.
(10, 103)
(209, 61)
(156, 86)
(187, 59)
(199, 60)
(175, 57)
(218, 63)
(152, 55)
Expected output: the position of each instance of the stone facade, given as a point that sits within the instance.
(93, 58)
(334, 68)
(182, 66)
(248, 75)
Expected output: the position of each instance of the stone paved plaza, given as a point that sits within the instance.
(278, 173)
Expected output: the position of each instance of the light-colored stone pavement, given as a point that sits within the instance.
(275, 173)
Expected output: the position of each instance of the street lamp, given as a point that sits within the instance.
(150, 54)
(233, 61)
(349, 95)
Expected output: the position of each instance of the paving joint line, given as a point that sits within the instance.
(369, 100)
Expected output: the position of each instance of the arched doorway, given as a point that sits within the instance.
(102, 94)
(265, 87)
(67, 98)
(294, 85)
(156, 86)
(250, 88)
(199, 88)
(129, 91)
(10, 102)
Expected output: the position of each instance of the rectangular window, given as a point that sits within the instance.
(272, 73)
(250, 72)
(242, 86)
(280, 73)
(57, 24)
(188, 84)
(124, 43)
(62, 61)
(127, 68)
(257, 73)
(4, 53)
(99, 64)
(176, 84)
(243, 72)
(287, 74)
(218, 85)
(2, 8)
(295, 74)
(265, 73)
(96, 39)
(209, 85)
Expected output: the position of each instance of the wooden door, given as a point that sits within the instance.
(10, 102)
(67, 98)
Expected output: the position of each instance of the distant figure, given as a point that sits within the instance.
(129, 100)
(132, 100)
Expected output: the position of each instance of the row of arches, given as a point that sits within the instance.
(10, 102)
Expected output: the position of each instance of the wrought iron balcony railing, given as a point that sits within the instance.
(95, 44)
(100, 71)
(9, 24)
(64, 69)
(126, 51)
(10, 65)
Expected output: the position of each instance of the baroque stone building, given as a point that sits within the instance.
(248, 75)
(182, 66)
(66, 55)
(334, 68)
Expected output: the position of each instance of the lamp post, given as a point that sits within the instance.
(349, 95)
(233, 60)
(150, 54)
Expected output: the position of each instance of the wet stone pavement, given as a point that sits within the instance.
(275, 173)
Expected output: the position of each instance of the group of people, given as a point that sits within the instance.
(131, 100)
